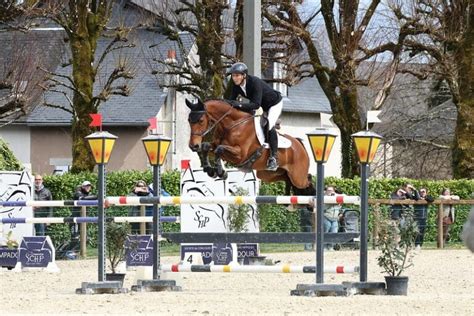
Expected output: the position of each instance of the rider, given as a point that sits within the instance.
(259, 94)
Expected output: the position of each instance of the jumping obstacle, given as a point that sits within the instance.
(257, 237)
(53, 203)
(261, 199)
(285, 268)
(177, 200)
(79, 220)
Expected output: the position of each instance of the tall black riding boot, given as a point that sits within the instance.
(272, 163)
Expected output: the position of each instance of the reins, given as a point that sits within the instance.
(215, 123)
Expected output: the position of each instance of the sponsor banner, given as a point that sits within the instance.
(36, 252)
(221, 254)
(8, 257)
(139, 250)
(16, 186)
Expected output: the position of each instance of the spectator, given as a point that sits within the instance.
(41, 194)
(163, 193)
(306, 211)
(448, 212)
(332, 215)
(141, 190)
(83, 192)
(421, 214)
(407, 191)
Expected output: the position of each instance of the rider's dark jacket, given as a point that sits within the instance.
(259, 94)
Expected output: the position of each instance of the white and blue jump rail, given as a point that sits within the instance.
(178, 200)
(80, 220)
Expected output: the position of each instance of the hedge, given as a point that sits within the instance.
(8, 161)
(273, 218)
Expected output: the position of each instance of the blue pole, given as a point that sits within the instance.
(364, 220)
(319, 223)
(101, 223)
(156, 229)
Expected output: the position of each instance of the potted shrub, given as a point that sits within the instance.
(396, 243)
(116, 234)
(237, 219)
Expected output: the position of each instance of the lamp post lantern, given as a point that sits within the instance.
(322, 141)
(366, 144)
(101, 144)
(156, 147)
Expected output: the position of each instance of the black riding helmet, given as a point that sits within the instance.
(238, 68)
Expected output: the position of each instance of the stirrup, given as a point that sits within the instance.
(272, 164)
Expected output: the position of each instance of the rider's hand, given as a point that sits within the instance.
(235, 104)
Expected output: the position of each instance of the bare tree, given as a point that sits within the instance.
(19, 77)
(443, 39)
(418, 126)
(13, 14)
(85, 22)
(209, 24)
(354, 38)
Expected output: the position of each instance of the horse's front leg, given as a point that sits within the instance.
(205, 163)
(221, 173)
(229, 153)
(223, 151)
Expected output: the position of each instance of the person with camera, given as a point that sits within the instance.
(83, 192)
(141, 189)
(406, 191)
(421, 215)
(332, 215)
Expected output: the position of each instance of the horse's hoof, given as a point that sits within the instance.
(223, 174)
(211, 173)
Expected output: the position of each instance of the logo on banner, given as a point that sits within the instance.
(244, 251)
(222, 253)
(8, 257)
(201, 219)
(35, 252)
(139, 250)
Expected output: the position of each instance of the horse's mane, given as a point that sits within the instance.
(221, 106)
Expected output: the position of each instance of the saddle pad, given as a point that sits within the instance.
(283, 142)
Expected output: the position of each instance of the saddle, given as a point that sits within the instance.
(260, 126)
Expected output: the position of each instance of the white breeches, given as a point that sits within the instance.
(274, 113)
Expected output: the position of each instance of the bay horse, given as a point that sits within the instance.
(234, 140)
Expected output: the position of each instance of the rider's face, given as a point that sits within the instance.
(238, 79)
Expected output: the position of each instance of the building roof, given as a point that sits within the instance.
(146, 97)
(20, 64)
(306, 97)
(145, 100)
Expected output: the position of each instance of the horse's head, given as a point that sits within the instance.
(199, 123)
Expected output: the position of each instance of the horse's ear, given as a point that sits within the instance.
(190, 105)
(198, 106)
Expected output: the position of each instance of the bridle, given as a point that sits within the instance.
(215, 123)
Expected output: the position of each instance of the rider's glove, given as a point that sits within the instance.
(235, 104)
